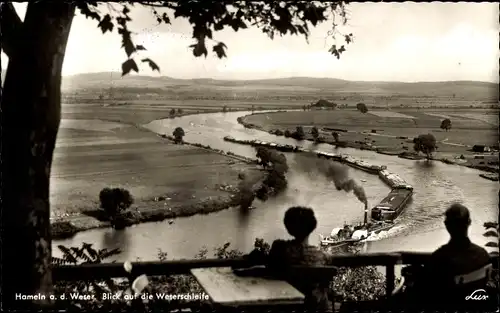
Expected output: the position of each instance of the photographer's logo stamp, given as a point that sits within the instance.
(478, 294)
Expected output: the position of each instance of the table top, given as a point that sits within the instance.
(226, 288)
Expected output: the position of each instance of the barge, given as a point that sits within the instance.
(492, 177)
(393, 180)
(393, 204)
(364, 166)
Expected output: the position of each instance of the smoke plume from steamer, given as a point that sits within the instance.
(335, 172)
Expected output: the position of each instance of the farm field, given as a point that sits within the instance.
(469, 127)
(93, 153)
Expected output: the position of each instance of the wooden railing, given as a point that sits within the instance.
(115, 270)
(99, 271)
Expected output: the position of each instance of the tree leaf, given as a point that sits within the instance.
(219, 50)
(348, 38)
(129, 65)
(218, 26)
(199, 48)
(127, 41)
(242, 24)
(106, 24)
(165, 18)
(333, 50)
(236, 24)
(151, 64)
(85, 10)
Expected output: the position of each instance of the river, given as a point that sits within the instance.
(420, 227)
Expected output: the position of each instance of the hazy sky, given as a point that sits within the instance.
(393, 42)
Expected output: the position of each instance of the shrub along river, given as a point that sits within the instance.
(419, 228)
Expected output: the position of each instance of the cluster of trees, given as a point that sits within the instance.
(174, 112)
(426, 144)
(276, 165)
(298, 134)
(322, 103)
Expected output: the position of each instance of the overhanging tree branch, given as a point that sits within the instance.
(11, 26)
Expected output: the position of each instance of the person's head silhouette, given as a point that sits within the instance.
(300, 222)
(457, 221)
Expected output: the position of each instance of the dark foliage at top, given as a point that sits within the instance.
(209, 17)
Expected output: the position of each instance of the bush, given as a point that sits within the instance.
(315, 133)
(299, 133)
(62, 230)
(178, 134)
(114, 201)
(335, 136)
(87, 255)
(362, 108)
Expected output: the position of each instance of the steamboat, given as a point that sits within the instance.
(382, 219)
(350, 234)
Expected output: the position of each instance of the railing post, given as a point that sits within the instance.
(390, 277)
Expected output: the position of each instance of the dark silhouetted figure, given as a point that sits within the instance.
(300, 222)
(458, 271)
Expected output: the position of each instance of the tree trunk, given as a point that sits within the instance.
(31, 111)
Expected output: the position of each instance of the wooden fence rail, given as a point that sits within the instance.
(99, 271)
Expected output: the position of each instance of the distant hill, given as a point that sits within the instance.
(101, 83)
(293, 84)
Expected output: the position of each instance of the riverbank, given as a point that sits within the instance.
(68, 227)
(390, 179)
(164, 207)
(116, 151)
(384, 137)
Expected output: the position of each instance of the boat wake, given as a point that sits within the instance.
(384, 234)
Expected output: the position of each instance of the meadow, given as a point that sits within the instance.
(100, 147)
(394, 130)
